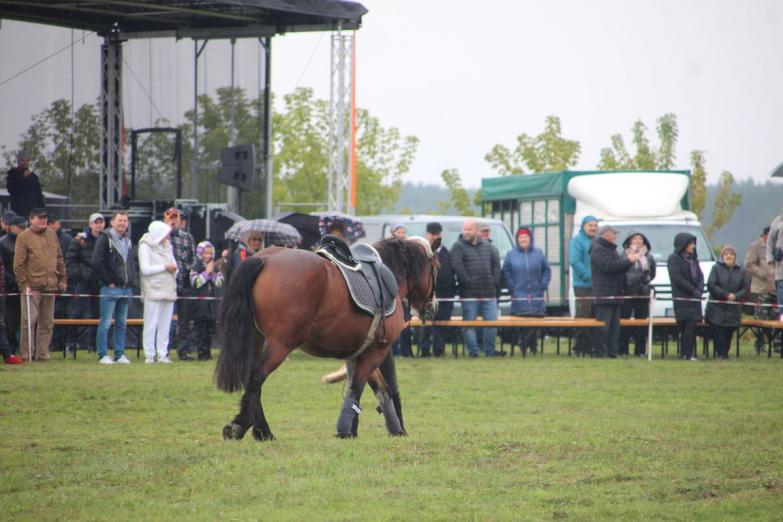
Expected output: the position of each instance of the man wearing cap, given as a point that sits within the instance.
(40, 271)
(581, 278)
(23, 186)
(185, 256)
(13, 307)
(445, 288)
(78, 264)
(608, 269)
(477, 266)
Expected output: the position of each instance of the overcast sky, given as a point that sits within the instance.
(463, 76)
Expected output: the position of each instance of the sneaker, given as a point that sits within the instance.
(13, 359)
(694, 359)
(106, 360)
(149, 360)
(164, 360)
(123, 360)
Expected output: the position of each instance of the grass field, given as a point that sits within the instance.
(490, 439)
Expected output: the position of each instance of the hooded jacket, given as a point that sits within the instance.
(608, 271)
(526, 274)
(637, 279)
(724, 280)
(78, 261)
(157, 283)
(579, 256)
(685, 284)
(205, 284)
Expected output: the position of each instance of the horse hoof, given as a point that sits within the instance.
(259, 435)
(345, 435)
(403, 433)
(233, 431)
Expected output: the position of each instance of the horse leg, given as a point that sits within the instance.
(388, 371)
(386, 405)
(359, 371)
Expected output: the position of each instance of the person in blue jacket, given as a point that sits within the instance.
(526, 274)
(579, 259)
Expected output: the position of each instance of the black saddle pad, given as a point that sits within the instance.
(371, 285)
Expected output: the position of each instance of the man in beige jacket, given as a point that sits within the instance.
(762, 277)
(39, 269)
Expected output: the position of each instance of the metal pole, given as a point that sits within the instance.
(29, 328)
(650, 325)
(194, 156)
(268, 160)
(232, 193)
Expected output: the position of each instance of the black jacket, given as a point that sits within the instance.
(723, 281)
(608, 269)
(637, 281)
(684, 284)
(110, 268)
(446, 284)
(477, 268)
(25, 192)
(7, 249)
(78, 261)
(203, 309)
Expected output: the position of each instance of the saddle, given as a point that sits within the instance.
(371, 285)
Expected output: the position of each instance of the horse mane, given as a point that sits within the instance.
(404, 258)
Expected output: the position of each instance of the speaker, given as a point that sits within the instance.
(238, 166)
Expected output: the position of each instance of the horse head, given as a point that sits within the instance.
(421, 282)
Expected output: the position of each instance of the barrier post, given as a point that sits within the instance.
(29, 329)
(650, 325)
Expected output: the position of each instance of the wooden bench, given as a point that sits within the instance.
(770, 331)
(77, 326)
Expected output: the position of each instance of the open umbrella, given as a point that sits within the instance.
(305, 224)
(354, 229)
(274, 232)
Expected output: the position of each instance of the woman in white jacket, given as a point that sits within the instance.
(158, 288)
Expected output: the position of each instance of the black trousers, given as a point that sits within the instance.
(181, 338)
(5, 347)
(687, 338)
(203, 333)
(13, 320)
(721, 337)
(584, 308)
(435, 336)
(608, 337)
(638, 309)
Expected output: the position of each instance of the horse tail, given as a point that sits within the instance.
(236, 320)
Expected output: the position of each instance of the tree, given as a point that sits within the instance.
(547, 152)
(65, 151)
(460, 199)
(647, 157)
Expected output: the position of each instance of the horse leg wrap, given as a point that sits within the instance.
(398, 408)
(390, 415)
(348, 413)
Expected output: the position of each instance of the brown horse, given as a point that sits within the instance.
(282, 299)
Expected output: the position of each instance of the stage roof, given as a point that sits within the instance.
(188, 18)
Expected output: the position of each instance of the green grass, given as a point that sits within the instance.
(490, 439)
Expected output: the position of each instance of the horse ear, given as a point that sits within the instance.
(436, 244)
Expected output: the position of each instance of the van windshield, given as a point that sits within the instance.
(661, 238)
(452, 231)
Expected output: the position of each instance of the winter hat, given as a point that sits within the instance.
(158, 230)
(202, 247)
(8, 217)
(728, 248)
(524, 231)
(396, 227)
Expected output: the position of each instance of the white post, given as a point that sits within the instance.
(650, 325)
(29, 329)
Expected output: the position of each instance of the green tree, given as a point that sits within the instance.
(546, 152)
(460, 199)
(64, 151)
(647, 157)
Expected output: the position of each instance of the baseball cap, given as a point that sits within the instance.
(8, 216)
(603, 229)
(39, 212)
(18, 221)
(96, 216)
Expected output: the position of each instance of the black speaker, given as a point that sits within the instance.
(238, 166)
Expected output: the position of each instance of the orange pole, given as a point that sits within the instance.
(353, 124)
